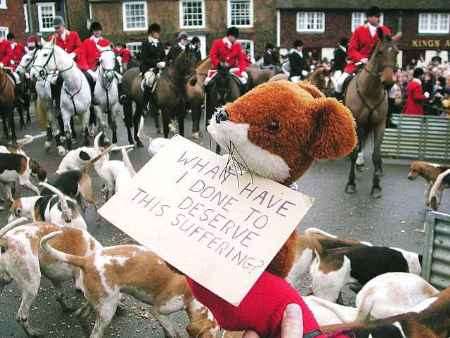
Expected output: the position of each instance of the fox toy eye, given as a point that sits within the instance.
(273, 126)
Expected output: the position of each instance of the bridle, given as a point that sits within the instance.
(44, 72)
(106, 78)
(376, 75)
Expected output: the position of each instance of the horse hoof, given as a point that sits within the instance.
(139, 144)
(196, 136)
(47, 145)
(158, 131)
(376, 192)
(350, 188)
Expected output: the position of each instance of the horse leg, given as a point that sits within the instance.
(155, 115)
(20, 111)
(85, 124)
(136, 121)
(196, 116)
(66, 118)
(72, 127)
(165, 121)
(378, 134)
(12, 126)
(5, 126)
(181, 113)
(350, 188)
(127, 118)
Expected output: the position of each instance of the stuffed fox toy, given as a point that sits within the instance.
(279, 128)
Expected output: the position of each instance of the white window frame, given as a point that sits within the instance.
(130, 46)
(5, 31)
(91, 13)
(124, 19)
(252, 47)
(428, 30)
(362, 19)
(39, 11)
(181, 14)
(309, 30)
(3, 4)
(229, 18)
(25, 14)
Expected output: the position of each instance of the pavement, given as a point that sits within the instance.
(391, 220)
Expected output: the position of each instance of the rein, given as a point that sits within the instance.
(372, 109)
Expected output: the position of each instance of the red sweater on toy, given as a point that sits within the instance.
(261, 310)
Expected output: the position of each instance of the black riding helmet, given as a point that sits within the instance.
(233, 31)
(154, 28)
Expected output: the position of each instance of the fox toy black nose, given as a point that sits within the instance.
(221, 116)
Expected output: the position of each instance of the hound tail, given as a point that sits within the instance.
(312, 231)
(91, 162)
(12, 225)
(78, 261)
(127, 162)
(62, 198)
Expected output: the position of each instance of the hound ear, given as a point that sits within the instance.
(334, 132)
(84, 156)
(380, 33)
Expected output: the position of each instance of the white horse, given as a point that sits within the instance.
(106, 94)
(75, 93)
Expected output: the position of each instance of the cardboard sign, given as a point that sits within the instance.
(205, 217)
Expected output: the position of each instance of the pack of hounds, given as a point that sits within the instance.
(47, 235)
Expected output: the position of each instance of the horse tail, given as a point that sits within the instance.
(41, 114)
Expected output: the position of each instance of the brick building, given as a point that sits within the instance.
(320, 24)
(12, 19)
(127, 21)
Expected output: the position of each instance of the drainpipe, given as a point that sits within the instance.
(30, 17)
(278, 28)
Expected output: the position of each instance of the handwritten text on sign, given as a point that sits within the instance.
(216, 224)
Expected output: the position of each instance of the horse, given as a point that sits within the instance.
(170, 90)
(222, 88)
(7, 101)
(76, 92)
(195, 93)
(169, 95)
(367, 99)
(106, 95)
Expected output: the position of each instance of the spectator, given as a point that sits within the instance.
(415, 96)
(196, 45)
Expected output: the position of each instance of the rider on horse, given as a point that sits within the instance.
(152, 60)
(182, 42)
(362, 44)
(12, 52)
(69, 41)
(228, 52)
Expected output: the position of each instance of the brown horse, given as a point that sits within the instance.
(169, 95)
(366, 97)
(7, 102)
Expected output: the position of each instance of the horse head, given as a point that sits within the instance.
(384, 58)
(107, 63)
(185, 62)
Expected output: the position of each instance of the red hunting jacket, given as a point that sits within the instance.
(91, 51)
(124, 53)
(361, 46)
(70, 42)
(14, 54)
(5, 49)
(414, 98)
(223, 51)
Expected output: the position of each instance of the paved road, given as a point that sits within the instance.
(391, 220)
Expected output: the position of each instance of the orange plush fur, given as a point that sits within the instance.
(300, 125)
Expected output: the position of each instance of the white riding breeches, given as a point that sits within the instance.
(340, 82)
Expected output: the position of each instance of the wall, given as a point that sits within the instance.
(13, 18)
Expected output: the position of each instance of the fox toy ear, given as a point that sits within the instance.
(334, 133)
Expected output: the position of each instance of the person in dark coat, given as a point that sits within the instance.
(297, 62)
(182, 42)
(152, 59)
(196, 45)
(340, 55)
(270, 56)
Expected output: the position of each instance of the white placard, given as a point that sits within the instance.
(215, 223)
